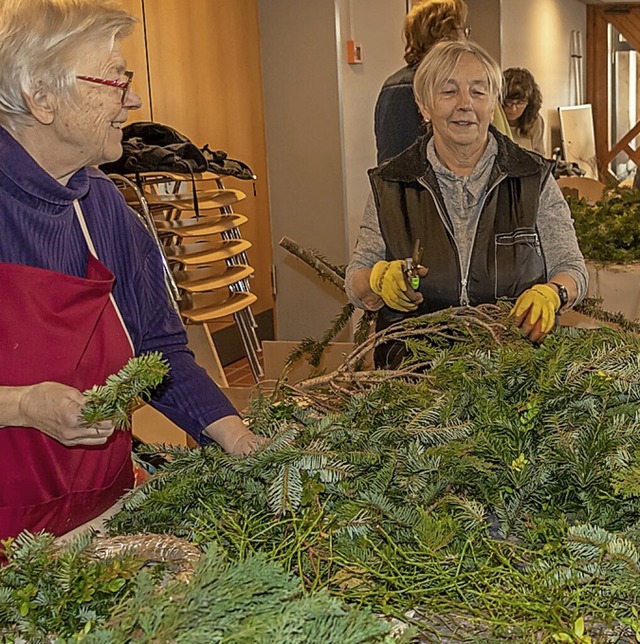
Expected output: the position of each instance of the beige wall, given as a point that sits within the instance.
(305, 156)
(484, 20)
(536, 35)
(380, 33)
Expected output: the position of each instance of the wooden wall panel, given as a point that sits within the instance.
(135, 52)
(205, 80)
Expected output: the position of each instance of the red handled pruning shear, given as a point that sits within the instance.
(412, 264)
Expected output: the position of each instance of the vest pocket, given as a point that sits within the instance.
(518, 262)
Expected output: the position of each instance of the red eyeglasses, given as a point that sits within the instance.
(124, 85)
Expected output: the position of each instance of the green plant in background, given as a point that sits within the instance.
(116, 399)
(609, 230)
(495, 495)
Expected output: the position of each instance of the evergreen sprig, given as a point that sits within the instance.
(116, 399)
(609, 230)
(48, 591)
(65, 594)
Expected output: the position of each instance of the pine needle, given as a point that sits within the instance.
(116, 399)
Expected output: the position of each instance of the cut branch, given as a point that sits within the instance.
(323, 268)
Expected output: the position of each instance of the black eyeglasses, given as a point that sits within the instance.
(516, 102)
(124, 85)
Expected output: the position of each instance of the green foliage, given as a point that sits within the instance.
(447, 494)
(116, 399)
(609, 231)
(592, 306)
(251, 601)
(48, 594)
(45, 590)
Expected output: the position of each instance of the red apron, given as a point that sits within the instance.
(62, 328)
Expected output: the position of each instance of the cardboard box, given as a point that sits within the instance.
(619, 287)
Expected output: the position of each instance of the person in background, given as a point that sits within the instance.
(522, 102)
(81, 279)
(489, 215)
(397, 119)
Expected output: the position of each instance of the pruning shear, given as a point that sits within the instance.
(412, 264)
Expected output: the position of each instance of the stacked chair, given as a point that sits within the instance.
(206, 268)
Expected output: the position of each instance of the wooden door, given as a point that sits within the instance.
(197, 68)
(625, 19)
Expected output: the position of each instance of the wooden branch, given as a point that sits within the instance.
(316, 263)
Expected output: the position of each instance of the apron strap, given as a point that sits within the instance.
(92, 250)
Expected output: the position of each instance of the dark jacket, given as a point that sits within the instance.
(506, 256)
(397, 119)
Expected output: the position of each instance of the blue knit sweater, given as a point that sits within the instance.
(38, 227)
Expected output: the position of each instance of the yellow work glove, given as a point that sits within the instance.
(542, 302)
(388, 281)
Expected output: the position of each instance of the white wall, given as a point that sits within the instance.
(536, 35)
(304, 157)
(377, 25)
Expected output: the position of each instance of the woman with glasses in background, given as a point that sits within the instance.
(81, 279)
(522, 102)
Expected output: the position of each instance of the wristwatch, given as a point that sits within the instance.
(563, 294)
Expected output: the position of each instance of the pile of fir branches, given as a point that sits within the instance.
(609, 230)
(490, 487)
(99, 590)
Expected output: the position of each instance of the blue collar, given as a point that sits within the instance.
(30, 184)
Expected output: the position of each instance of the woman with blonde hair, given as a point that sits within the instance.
(398, 122)
(489, 216)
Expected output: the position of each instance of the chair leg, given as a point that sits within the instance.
(201, 343)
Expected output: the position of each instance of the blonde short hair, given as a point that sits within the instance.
(438, 65)
(41, 42)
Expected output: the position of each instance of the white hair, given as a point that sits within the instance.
(41, 43)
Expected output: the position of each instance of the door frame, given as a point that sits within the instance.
(626, 19)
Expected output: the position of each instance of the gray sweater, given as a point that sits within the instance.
(464, 197)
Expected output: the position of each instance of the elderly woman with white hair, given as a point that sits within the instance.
(81, 280)
(489, 215)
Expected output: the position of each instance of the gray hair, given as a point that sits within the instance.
(41, 42)
(439, 63)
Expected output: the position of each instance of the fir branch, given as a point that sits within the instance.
(116, 399)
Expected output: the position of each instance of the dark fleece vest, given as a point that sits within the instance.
(506, 255)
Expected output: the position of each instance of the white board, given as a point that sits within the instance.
(578, 137)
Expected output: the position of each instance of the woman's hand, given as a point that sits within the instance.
(535, 311)
(234, 436)
(54, 409)
(389, 281)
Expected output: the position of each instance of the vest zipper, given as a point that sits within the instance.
(447, 224)
(464, 274)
